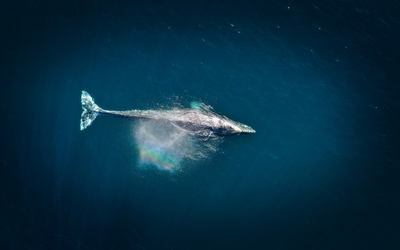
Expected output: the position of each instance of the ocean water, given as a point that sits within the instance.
(318, 81)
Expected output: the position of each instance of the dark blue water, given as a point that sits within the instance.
(317, 80)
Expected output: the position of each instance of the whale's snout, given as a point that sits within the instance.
(240, 128)
(247, 129)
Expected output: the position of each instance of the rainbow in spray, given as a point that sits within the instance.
(162, 145)
(159, 157)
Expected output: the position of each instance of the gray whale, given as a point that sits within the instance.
(199, 120)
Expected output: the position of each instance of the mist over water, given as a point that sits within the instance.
(169, 148)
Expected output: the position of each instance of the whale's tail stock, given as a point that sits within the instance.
(90, 110)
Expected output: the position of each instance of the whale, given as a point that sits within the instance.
(199, 120)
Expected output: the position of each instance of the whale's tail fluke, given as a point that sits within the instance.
(90, 110)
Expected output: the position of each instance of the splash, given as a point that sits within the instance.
(168, 148)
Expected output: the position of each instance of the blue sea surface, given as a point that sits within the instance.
(317, 80)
